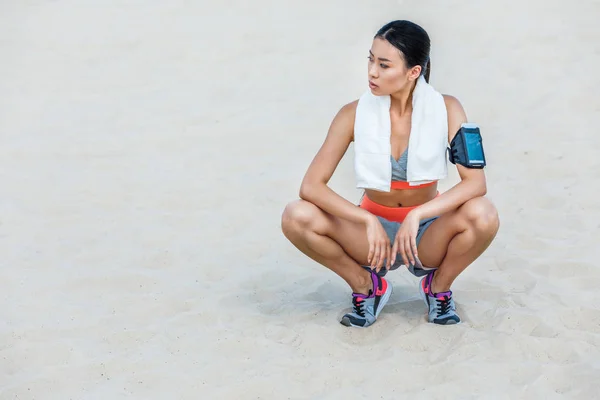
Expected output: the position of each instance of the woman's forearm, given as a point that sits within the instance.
(450, 200)
(326, 199)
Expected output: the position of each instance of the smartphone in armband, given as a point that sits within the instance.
(466, 147)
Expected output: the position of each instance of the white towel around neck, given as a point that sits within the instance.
(427, 142)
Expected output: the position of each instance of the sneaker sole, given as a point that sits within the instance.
(422, 292)
(346, 322)
(382, 302)
(384, 299)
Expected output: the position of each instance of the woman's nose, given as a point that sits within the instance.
(372, 71)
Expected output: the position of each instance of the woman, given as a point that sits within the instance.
(435, 235)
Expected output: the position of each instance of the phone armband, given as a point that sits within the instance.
(466, 147)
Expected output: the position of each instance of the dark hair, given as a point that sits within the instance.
(411, 40)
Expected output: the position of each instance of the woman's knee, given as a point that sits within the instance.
(299, 215)
(482, 215)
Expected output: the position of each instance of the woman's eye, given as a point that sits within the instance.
(383, 66)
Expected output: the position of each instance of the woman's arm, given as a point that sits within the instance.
(315, 190)
(472, 184)
(314, 185)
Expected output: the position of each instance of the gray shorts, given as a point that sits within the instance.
(391, 228)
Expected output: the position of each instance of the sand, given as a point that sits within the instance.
(147, 149)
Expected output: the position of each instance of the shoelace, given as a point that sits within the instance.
(359, 305)
(443, 305)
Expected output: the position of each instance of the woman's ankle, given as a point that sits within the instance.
(363, 283)
(439, 285)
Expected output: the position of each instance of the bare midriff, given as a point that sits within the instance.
(403, 197)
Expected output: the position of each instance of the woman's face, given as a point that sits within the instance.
(387, 69)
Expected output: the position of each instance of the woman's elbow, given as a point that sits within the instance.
(309, 191)
(476, 186)
(306, 190)
(481, 188)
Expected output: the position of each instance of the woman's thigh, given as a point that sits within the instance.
(351, 236)
(436, 239)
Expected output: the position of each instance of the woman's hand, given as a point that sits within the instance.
(405, 242)
(379, 244)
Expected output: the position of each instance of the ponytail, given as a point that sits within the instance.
(427, 70)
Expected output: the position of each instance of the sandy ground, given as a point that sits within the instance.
(147, 149)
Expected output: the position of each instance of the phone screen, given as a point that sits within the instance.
(474, 148)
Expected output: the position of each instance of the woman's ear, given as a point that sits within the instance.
(414, 72)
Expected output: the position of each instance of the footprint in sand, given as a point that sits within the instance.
(581, 319)
(544, 330)
(282, 335)
(519, 322)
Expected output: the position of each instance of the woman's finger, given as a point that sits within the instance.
(388, 247)
(408, 250)
(394, 251)
(375, 256)
(413, 242)
(402, 252)
(381, 255)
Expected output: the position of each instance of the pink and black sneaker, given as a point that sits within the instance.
(366, 308)
(441, 306)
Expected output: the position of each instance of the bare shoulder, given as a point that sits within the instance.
(456, 115)
(344, 119)
(454, 108)
(348, 111)
(351, 107)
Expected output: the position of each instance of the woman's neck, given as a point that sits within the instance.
(402, 101)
